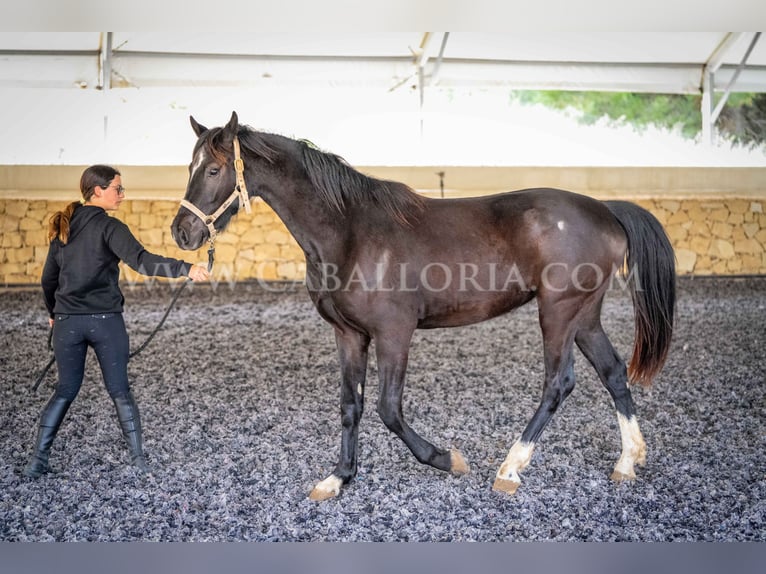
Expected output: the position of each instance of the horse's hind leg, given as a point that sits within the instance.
(352, 351)
(559, 382)
(392, 355)
(557, 388)
(610, 367)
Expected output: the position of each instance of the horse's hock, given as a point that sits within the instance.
(715, 217)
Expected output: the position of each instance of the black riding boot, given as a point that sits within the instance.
(130, 422)
(50, 420)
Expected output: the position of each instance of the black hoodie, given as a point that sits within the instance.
(82, 276)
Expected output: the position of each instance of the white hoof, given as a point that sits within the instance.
(459, 465)
(328, 488)
(505, 485)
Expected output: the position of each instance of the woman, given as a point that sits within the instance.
(84, 301)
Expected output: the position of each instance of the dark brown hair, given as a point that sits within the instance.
(92, 177)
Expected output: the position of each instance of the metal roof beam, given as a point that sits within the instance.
(733, 80)
(42, 69)
(151, 69)
(154, 69)
(105, 61)
(713, 63)
(709, 110)
(715, 60)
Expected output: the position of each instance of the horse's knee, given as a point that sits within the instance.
(351, 414)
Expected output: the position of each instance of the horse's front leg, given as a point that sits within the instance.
(352, 351)
(392, 354)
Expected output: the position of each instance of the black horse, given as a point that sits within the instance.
(382, 261)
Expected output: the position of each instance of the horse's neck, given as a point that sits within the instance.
(313, 223)
(315, 228)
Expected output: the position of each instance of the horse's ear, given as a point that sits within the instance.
(230, 129)
(198, 128)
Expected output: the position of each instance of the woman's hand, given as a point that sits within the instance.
(198, 273)
(51, 322)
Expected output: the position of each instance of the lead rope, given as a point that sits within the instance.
(210, 261)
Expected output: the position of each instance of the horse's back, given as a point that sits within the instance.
(481, 257)
(555, 223)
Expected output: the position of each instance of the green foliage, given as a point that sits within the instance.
(743, 119)
(746, 124)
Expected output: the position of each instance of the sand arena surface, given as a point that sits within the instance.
(239, 395)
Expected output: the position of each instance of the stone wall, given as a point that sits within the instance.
(714, 237)
(723, 231)
(255, 246)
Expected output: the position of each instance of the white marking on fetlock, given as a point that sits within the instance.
(633, 448)
(517, 460)
(328, 488)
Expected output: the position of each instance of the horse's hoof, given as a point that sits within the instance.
(319, 495)
(505, 485)
(618, 476)
(458, 465)
(326, 489)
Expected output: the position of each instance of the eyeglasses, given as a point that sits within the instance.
(119, 189)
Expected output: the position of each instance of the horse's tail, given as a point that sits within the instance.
(651, 274)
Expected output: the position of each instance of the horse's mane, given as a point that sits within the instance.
(338, 184)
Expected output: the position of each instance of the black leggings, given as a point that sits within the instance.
(106, 333)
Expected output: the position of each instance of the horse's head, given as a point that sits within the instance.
(209, 202)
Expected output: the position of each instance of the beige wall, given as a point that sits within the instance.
(716, 218)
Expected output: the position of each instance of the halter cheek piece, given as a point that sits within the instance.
(240, 191)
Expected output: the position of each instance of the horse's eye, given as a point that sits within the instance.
(213, 171)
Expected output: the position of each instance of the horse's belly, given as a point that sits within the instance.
(456, 312)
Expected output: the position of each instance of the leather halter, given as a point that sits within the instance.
(240, 192)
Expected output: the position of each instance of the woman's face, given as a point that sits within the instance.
(110, 197)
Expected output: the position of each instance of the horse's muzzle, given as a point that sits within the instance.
(185, 233)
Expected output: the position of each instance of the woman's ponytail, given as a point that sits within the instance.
(58, 225)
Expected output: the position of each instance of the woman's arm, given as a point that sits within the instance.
(125, 246)
(50, 277)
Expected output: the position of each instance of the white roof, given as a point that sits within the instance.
(381, 98)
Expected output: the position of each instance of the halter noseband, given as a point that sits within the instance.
(240, 191)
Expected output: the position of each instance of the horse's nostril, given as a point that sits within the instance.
(180, 235)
